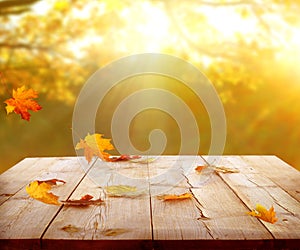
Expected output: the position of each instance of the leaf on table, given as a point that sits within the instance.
(123, 191)
(225, 170)
(39, 190)
(85, 200)
(124, 158)
(143, 160)
(95, 145)
(70, 229)
(199, 169)
(114, 231)
(174, 197)
(53, 182)
(262, 213)
(22, 101)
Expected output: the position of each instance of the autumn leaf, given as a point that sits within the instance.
(225, 170)
(21, 102)
(123, 191)
(39, 190)
(143, 160)
(172, 197)
(262, 213)
(85, 200)
(52, 181)
(95, 145)
(222, 169)
(199, 169)
(124, 158)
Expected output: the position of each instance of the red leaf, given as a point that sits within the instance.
(124, 157)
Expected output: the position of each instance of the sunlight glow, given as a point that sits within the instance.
(149, 29)
(228, 22)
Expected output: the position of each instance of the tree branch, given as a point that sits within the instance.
(15, 3)
(22, 46)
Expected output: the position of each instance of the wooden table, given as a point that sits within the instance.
(214, 218)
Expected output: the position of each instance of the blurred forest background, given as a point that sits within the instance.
(250, 50)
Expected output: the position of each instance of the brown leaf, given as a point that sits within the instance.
(85, 200)
(52, 182)
(123, 158)
(172, 197)
(225, 170)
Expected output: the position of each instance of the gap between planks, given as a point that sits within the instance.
(61, 207)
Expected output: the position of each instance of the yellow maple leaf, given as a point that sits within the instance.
(39, 190)
(123, 191)
(262, 213)
(170, 197)
(95, 144)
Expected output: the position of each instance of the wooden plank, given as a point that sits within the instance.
(118, 218)
(15, 178)
(274, 168)
(257, 188)
(174, 220)
(23, 218)
(177, 220)
(225, 214)
(214, 218)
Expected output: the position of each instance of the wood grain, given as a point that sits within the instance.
(214, 218)
(255, 189)
(118, 218)
(25, 218)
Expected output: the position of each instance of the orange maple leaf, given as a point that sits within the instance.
(171, 197)
(262, 213)
(95, 144)
(39, 190)
(21, 102)
(199, 169)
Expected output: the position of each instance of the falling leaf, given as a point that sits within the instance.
(226, 170)
(262, 213)
(124, 157)
(39, 190)
(170, 197)
(70, 229)
(21, 102)
(114, 231)
(123, 191)
(200, 168)
(95, 144)
(85, 200)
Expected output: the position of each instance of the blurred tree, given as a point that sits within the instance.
(13, 7)
(248, 49)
